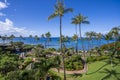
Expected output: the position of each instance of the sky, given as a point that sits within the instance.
(29, 17)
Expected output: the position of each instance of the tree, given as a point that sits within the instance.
(115, 33)
(75, 38)
(43, 37)
(12, 37)
(48, 35)
(60, 10)
(36, 38)
(108, 37)
(89, 38)
(4, 38)
(65, 39)
(21, 38)
(82, 20)
(92, 34)
(99, 37)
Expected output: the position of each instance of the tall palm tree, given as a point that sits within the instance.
(82, 20)
(60, 10)
(48, 35)
(75, 37)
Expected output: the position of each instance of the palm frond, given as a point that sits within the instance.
(68, 10)
(86, 22)
(106, 77)
(52, 16)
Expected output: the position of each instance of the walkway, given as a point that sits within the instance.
(72, 72)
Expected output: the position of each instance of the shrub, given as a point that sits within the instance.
(74, 63)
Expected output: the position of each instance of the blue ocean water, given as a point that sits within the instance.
(54, 43)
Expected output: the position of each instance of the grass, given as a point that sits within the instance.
(97, 71)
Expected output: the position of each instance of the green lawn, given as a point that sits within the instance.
(97, 71)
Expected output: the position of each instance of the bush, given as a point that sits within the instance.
(96, 58)
(74, 63)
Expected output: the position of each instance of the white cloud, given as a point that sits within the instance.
(3, 5)
(2, 14)
(7, 28)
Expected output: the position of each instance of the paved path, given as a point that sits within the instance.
(72, 72)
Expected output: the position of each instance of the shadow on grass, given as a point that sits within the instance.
(76, 75)
(97, 70)
(110, 73)
(108, 62)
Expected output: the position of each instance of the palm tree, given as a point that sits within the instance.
(4, 38)
(81, 20)
(99, 37)
(21, 38)
(89, 38)
(65, 39)
(60, 10)
(48, 35)
(30, 36)
(108, 37)
(92, 34)
(36, 38)
(12, 37)
(75, 38)
(115, 33)
(43, 36)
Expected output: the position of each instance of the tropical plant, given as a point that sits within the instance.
(31, 37)
(81, 20)
(60, 10)
(37, 38)
(11, 37)
(75, 38)
(48, 35)
(99, 37)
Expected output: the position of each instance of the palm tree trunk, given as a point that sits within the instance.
(85, 64)
(81, 38)
(76, 41)
(61, 48)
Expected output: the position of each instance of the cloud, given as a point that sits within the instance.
(2, 14)
(3, 5)
(7, 28)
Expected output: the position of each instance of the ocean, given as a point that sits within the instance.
(54, 43)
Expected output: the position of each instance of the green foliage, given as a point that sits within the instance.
(8, 63)
(96, 58)
(74, 63)
(111, 46)
(51, 49)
